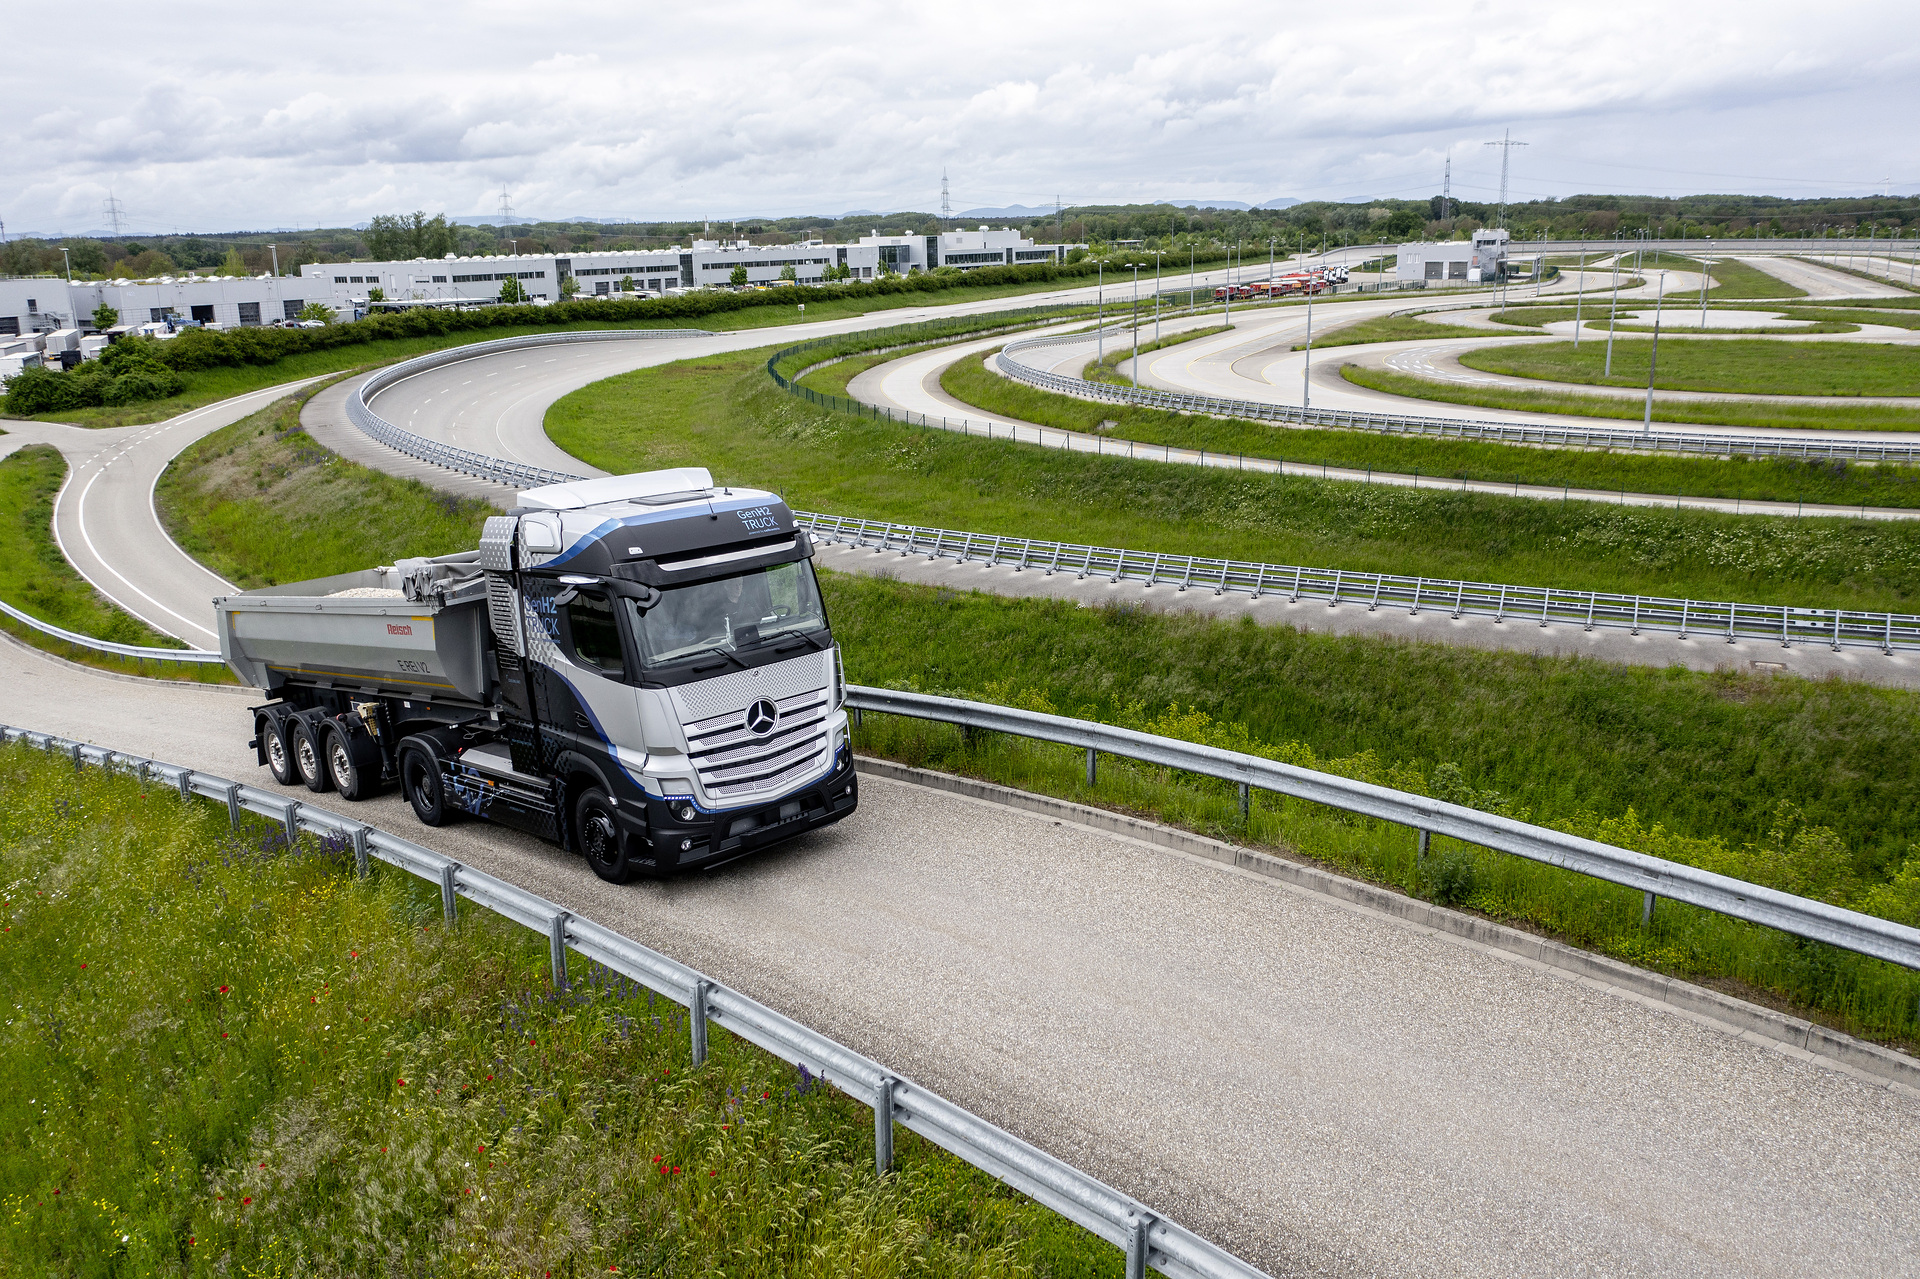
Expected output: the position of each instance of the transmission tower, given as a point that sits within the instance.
(1059, 214)
(1506, 145)
(946, 201)
(1446, 191)
(506, 207)
(113, 212)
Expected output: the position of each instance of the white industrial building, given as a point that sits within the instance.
(1480, 259)
(41, 304)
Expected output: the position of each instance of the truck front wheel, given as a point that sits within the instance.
(420, 782)
(599, 835)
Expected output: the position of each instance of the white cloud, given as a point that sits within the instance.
(250, 117)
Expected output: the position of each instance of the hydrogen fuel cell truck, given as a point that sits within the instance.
(638, 668)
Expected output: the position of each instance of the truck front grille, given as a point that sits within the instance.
(736, 763)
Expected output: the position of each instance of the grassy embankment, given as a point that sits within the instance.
(1740, 413)
(1740, 367)
(260, 503)
(168, 1106)
(1672, 762)
(36, 578)
(1680, 319)
(1773, 479)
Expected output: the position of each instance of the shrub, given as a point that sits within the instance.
(1453, 877)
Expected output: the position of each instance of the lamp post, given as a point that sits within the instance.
(1703, 288)
(1579, 298)
(69, 261)
(1156, 295)
(1189, 276)
(1099, 310)
(1136, 324)
(1306, 371)
(1653, 356)
(1613, 308)
(275, 250)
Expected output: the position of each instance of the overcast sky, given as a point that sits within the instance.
(228, 116)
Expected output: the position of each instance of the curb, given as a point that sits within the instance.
(1793, 1036)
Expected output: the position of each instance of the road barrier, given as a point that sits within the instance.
(1654, 876)
(139, 652)
(1446, 428)
(1148, 1238)
(1544, 605)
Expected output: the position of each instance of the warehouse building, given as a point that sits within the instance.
(1480, 259)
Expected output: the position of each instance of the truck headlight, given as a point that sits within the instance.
(685, 812)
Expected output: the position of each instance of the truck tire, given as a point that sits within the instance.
(309, 754)
(348, 769)
(420, 783)
(278, 750)
(599, 834)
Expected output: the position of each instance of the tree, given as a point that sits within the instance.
(232, 264)
(316, 311)
(105, 317)
(510, 291)
(788, 274)
(626, 284)
(738, 276)
(88, 256)
(398, 236)
(376, 295)
(568, 286)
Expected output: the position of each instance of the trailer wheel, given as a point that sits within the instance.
(599, 835)
(420, 782)
(348, 777)
(309, 758)
(273, 740)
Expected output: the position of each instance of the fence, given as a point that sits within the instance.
(139, 652)
(1149, 1239)
(1546, 606)
(1654, 876)
(1756, 445)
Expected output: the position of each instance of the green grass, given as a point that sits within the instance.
(1769, 479)
(1732, 280)
(1106, 369)
(1595, 317)
(1732, 368)
(225, 1056)
(260, 503)
(1745, 413)
(1807, 786)
(36, 578)
(725, 414)
(1394, 328)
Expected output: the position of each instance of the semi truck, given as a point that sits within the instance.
(638, 668)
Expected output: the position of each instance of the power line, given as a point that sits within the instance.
(113, 212)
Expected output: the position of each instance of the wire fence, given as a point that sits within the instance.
(1148, 1238)
(1547, 606)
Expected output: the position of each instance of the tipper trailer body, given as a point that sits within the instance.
(637, 667)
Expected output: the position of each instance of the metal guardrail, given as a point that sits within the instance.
(466, 461)
(1148, 1238)
(1545, 606)
(139, 652)
(1796, 446)
(1801, 916)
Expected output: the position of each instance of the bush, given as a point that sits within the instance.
(125, 373)
(1454, 877)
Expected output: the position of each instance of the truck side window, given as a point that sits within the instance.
(593, 635)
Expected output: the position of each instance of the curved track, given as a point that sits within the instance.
(1326, 1090)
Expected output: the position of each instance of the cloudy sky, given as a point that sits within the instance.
(229, 116)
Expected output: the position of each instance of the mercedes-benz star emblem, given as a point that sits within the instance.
(760, 717)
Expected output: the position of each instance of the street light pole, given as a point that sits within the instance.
(1306, 370)
(1099, 310)
(1703, 289)
(275, 250)
(1653, 356)
(69, 261)
(1136, 324)
(1579, 299)
(1157, 253)
(1613, 308)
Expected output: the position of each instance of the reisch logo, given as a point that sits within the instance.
(761, 716)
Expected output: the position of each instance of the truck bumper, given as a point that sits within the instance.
(714, 839)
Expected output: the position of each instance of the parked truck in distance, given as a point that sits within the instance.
(638, 668)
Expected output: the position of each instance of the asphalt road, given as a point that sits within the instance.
(1325, 1090)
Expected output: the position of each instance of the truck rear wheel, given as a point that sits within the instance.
(279, 753)
(599, 834)
(308, 756)
(349, 778)
(420, 782)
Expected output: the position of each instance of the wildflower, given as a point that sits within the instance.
(489, 1076)
(401, 1082)
(353, 954)
(223, 1034)
(676, 1168)
(483, 1147)
(83, 968)
(191, 1241)
(712, 1173)
(225, 989)
(263, 1165)
(247, 1200)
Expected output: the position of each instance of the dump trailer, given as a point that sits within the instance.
(638, 668)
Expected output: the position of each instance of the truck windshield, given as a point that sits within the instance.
(731, 614)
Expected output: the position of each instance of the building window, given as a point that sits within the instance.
(358, 279)
(10, 325)
(601, 286)
(33, 306)
(157, 314)
(439, 279)
(292, 307)
(339, 279)
(203, 315)
(249, 313)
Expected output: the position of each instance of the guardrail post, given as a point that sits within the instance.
(233, 804)
(697, 1022)
(1137, 1246)
(1646, 908)
(449, 903)
(186, 784)
(290, 818)
(1093, 765)
(1246, 801)
(359, 852)
(78, 763)
(557, 948)
(883, 1126)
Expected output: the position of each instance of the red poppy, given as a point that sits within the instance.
(247, 1200)
(83, 968)
(712, 1173)
(401, 1082)
(225, 989)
